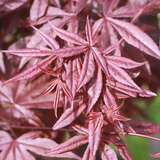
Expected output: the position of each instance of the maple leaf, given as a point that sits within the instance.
(59, 85)
(135, 35)
(112, 112)
(92, 135)
(34, 52)
(91, 52)
(17, 149)
(116, 72)
(16, 103)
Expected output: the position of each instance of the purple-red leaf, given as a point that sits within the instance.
(53, 11)
(69, 37)
(88, 32)
(56, 100)
(49, 41)
(38, 9)
(17, 149)
(122, 148)
(95, 131)
(29, 73)
(69, 116)
(124, 62)
(107, 153)
(2, 65)
(69, 145)
(87, 70)
(95, 91)
(109, 99)
(100, 60)
(72, 75)
(69, 51)
(143, 127)
(134, 36)
(121, 76)
(131, 91)
(147, 93)
(66, 90)
(29, 52)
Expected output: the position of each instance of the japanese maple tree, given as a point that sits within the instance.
(71, 76)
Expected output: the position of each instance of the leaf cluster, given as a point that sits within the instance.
(77, 71)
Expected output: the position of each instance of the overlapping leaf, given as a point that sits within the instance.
(95, 132)
(107, 153)
(95, 90)
(69, 116)
(136, 37)
(38, 9)
(69, 145)
(18, 149)
(17, 103)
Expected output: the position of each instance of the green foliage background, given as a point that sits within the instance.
(141, 148)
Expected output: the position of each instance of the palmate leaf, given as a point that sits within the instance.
(17, 149)
(13, 101)
(59, 85)
(136, 37)
(76, 39)
(32, 52)
(81, 58)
